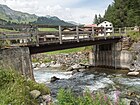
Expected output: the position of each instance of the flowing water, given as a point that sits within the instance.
(108, 83)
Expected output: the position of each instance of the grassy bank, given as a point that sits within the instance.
(50, 55)
(47, 29)
(134, 35)
(6, 30)
(73, 50)
(14, 89)
(67, 51)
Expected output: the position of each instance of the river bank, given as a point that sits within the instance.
(93, 80)
(72, 72)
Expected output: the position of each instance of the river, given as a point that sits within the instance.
(93, 80)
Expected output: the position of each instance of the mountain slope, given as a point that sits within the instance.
(15, 16)
(8, 14)
(51, 21)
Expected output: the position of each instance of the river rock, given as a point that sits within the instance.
(35, 94)
(82, 70)
(76, 66)
(54, 78)
(135, 73)
(69, 69)
(42, 65)
(75, 71)
(47, 98)
(126, 101)
(44, 103)
(134, 103)
(57, 65)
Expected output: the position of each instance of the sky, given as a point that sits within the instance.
(80, 11)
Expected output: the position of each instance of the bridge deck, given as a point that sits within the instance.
(63, 38)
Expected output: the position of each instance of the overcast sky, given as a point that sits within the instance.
(81, 11)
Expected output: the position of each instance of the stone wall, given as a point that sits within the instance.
(64, 58)
(17, 59)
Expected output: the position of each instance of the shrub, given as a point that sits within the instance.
(14, 89)
(66, 97)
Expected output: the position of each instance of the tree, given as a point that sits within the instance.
(123, 13)
(100, 19)
(95, 19)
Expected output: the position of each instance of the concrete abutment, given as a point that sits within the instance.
(18, 59)
(111, 56)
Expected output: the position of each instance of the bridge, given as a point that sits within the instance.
(62, 38)
(17, 46)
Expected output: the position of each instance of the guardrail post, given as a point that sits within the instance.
(113, 32)
(93, 33)
(77, 33)
(60, 35)
(125, 30)
(105, 32)
(120, 31)
(37, 37)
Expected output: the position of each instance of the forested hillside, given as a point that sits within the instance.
(124, 13)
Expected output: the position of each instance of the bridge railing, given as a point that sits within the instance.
(71, 33)
(17, 35)
(23, 35)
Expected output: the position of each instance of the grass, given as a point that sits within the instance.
(134, 35)
(66, 97)
(48, 29)
(14, 89)
(68, 51)
(6, 30)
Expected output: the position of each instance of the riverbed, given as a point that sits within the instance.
(92, 80)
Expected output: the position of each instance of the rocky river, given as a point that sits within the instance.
(95, 80)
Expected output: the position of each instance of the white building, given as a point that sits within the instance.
(108, 27)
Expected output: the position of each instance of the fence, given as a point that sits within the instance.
(23, 35)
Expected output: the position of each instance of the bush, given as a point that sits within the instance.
(14, 89)
(36, 86)
(66, 97)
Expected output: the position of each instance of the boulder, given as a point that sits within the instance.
(54, 78)
(57, 65)
(47, 98)
(69, 69)
(42, 65)
(126, 101)
(134, 103)
(74, 71)
(76, 66)
(134, 73)
(35, 94)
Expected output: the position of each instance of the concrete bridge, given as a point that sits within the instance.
(17, 46)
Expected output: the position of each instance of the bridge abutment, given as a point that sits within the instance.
(111, 56)
(17, 59)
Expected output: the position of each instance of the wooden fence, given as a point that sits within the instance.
(25, 35)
